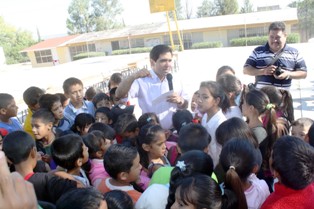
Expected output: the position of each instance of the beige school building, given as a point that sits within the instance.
(210, 29)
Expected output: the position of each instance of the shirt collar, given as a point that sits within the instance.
(84, 107)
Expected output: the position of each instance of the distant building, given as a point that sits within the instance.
(209, 29)
(268, 8)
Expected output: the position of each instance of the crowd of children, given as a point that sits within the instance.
(230, 149)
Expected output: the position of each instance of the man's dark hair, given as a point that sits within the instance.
(158, 50)
(277, 26)
(119, 158)
(48, 100)
(70, 82)
(17, 145)
(80, 198)
(66, 150)
(32, 95)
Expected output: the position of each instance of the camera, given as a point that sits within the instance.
(278, 71)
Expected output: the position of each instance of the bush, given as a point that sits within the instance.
(133, 51)
(204, 45)
(88, 54)
(261, 40)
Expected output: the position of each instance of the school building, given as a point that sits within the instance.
(209, 29)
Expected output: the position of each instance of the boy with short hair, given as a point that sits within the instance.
(70, 153)
(123, 165)
(300, 128)
(20, 149)
(8, 112)
(31, 96)
(73, 89)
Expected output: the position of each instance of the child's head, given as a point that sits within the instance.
(181, 118)
(69, 151)
(151, 143)
(118, 199)
(114, 100)
(122, 163)
(90, 93)
(223, 70)
(126, 126)
(42, 123)
(82, 123)
(101, 100)
(190, 163)
(197, 191)
(63, 99)
(211, 98)
(115, 80)
(292, 162)
(8, 106)
(255, 101)
(97, 144)
(300, 128)
(237, 158)
(53, 103)
(82, 198)
(188, 135)
(148, 118)
(231, 85)
(73, 89)
(194, 101)
(103, 115)
(310, 135)
(108, 132)
(31, 97)
(234, 128)
(18, 146)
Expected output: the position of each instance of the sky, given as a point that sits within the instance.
(49, 16)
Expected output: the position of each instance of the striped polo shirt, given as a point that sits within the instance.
(289, 60)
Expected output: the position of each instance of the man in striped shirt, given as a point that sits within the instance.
(275, 54)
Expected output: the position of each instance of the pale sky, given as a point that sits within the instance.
(49, 16)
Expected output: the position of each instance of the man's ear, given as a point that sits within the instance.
(123, 176)
(152, 63)
(79, 162)
(3, 111)
(146, 147)
(50, 126)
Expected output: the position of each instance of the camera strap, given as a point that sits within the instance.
(277, 56)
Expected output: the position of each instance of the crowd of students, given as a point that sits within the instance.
(236, 147)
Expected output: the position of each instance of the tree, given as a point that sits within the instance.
(206, 9)
(226, 7)
(293, 4)
(306, 18)
(93, 15)
(13, 41)
(247, 7)
(178, 10)
(188, 9)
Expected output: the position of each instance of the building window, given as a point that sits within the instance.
(74, 50)
(115, 45)
(43, 56)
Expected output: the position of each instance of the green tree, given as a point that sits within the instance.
(247, 7)
(293, 4)
(178, 9)
(13, 41)
(306, 18)
(206, 9)
(226, 7)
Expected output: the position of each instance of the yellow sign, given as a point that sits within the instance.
(161, 5)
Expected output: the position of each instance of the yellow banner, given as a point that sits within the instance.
(161, 5)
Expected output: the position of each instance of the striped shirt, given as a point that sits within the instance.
(289, 60)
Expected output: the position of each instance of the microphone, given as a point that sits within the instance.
(169, 79)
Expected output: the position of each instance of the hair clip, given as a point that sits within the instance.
(148, 119)
(183, 124)
(270, 106)
(181, 165)
(232, 167)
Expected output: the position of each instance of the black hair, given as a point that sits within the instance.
(277, 26)
(31, 95)
(293, 158)
(81, 121)
(146, 118)
(17, 146)
(237, 158)
(311, 135)
(90, 93)
(119, 158)
(193, 137)
(125, 123)
(45, 115)
(80, 198)
(159, 50)
(112, 93)
(190, 163)
(222, 71)
(5, 100)
(99, 97)
(199, 190)
(147, 135)
(115, 78)
(47, 100)
(71, 82)
(217, 92)
(93, 141)
(63, 98)
(230, 84)
(109, 133)
(106, 111)
(302, 122)
(236, 128)
(118, 199)
(66, 150)
(181, 118)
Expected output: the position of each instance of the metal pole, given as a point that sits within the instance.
(178, 32)
(170, 32)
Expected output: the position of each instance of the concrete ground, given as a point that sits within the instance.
(194, 66)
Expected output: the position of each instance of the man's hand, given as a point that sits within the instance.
(142, 73)
(282, 76)
(15, 192)
(175, 98)
(270, 70)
